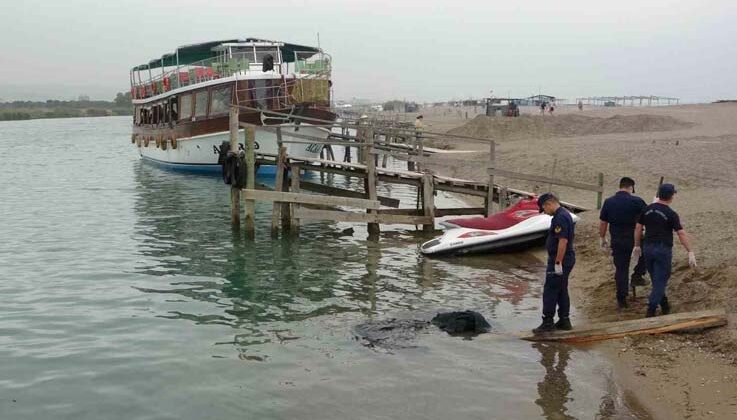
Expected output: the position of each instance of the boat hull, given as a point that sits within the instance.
(200, 153)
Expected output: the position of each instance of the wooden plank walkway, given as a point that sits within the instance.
(373, 143)
(401, 176)
(656, 325)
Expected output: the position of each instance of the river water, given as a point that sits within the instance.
(126, 295)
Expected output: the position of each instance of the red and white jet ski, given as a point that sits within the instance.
(519, 226)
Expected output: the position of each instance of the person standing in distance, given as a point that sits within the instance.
(620, 213)
(659, 222)
(561, 259)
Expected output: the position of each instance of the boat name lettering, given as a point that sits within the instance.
(314, 148)
(216, 149)
(255, 146)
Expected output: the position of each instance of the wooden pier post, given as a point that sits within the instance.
(370, 183)
(294, 221)
(235, 193)
(600, 193)
(278, 186)
(411, 151)
(503, 198)
(250, 205)
(420, 152)
(384, 158)
(492, 167)
(428, 201)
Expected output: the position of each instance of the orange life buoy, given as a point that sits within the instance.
(167, 84)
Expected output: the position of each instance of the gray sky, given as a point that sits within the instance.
(419, 50)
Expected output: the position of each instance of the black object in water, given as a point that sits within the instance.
(463, 322)
(391, 333)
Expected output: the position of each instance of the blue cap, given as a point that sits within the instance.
(666, 191)
(542, 199)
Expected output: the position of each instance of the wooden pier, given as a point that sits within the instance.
(371, 143)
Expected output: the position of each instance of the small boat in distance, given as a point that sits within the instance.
(182, 99)
(518, 227)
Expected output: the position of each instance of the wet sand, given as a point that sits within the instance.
(692, 146)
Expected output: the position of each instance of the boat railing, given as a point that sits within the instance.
(314, 67)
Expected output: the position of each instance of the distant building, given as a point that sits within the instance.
(537, 100)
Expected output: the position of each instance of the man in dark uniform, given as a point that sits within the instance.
(659, 222)
(561, 259)
(620, 213)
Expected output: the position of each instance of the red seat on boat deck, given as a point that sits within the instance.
(522, 210)
(210, 73)
(199, 74)
(183, 77)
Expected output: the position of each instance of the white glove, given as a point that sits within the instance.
(604, 244)
(636, 253)
(558, 269)
(692, 259)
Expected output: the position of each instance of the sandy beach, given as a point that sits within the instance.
(692, 146)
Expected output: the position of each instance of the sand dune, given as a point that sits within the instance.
(566, 125)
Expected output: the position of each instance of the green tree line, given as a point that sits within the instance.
(82, 107)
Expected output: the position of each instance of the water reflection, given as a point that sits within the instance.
(184, 237)
(554, 389)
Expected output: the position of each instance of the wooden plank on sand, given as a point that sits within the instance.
(655, 325)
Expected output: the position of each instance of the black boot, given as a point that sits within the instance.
(637, 280)
(622, 303)
(650, 312)
(665, 306)
(564, 324)
(546, 326)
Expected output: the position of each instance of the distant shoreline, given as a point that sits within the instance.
(83, 107)
(63, 113)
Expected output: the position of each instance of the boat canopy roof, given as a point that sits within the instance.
(189, 54)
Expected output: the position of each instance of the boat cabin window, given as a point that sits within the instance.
(167, 111)
(263, 52)
(185, 105)
(221, 100)
(159, 113)
(200, 103)
(240, 53)
(174, 108)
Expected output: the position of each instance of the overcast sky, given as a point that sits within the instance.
(420, 50)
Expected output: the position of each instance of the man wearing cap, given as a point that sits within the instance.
(561, 259)
(418, 123)
(620, 213)
(659, 222)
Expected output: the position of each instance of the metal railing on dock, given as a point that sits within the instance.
(371, 141)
